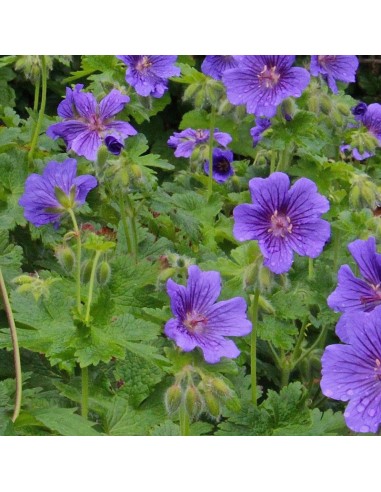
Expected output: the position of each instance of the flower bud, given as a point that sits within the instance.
(193, 402)
(220, 388)
(265, 305)
(86, 268)
(265, 278)
(172, 399)
(136, 171)
(288, 109)
(103, 273)
(313, 104)
(325, 104)
(23, 279)
(235, 183)
(124, 176)
(101, 157)
(212, 404)
(344, 110)
(66, 258)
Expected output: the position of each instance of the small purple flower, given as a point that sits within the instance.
(261, 125)
(263, 82)
(202, 322)
(354, 294)
(113, 145)
(216, 65)
(86, 124)
(149, 74)
(186, 141)
(48, 196)
(222, 168)
(353, 372)
(371, 119)
(335, 67)
(283, 220)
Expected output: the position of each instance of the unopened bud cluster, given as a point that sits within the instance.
(199, 393)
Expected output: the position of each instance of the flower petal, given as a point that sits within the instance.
(228, 318)
(112, 104)
(367, 259)
(87, 144)
(203, 288)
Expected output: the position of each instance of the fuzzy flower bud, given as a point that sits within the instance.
(172, 399)
(103, 273)
(66, 258)
(194, 402)
(86, 268)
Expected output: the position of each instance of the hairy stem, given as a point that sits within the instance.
(131, 221)
(311, 272)
(253, 346)
(85, 392)
(91, 286)
(16, 350)
(78, 260)
(211, 141)
(184, 421)
(37, 94)
(44, 78)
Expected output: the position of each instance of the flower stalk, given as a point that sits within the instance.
(44, 78)
(16, 350)
(253, 345)
(78, 260)
(211, 142)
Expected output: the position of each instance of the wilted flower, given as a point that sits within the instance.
(263, 82)
(149, 74)
(354, 294)
(261, 125)
(222, 168)
(87, 124)
(359, 110)
(113, 145)
(335, 67)
(216, 65)
(186, 141)
(202, 322)
(283, 220)
(353, 372)
(48, 196)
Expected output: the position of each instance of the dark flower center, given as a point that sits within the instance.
(222, 165)
(269, 77)
(280, 225)
(371, 301)
(143, 64)
(195, 322)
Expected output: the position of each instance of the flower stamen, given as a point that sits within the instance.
(269, 77)
(280, 225)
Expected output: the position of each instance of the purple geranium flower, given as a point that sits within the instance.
(335, 67)
(369, 117)
(263, 82)
(353, 372)
(359, 110)
(216, 65)
(149, 74)
(354, 294)
(202, 322)
(186, 141)
(283, 220)
(261, 125)
(222, 168)
(87, 124)
(48, 196)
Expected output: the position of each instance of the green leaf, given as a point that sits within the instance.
(280, 333)
(64, 421)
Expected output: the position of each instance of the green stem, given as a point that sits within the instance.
(274, 155)
(37, 94)
(78, 260)
(91, 286)
(85, 392)
(300, 339)
(311, 272)
(44, 77)
(285, 376)
(284, 160)
(131, 218)
(184, 421)
(313, 346)
(253, 346)
(336, 250)
(122, 210)
(16, 350)
(211, 141)
(277, 360)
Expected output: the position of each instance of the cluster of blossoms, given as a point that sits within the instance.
(188, 140)
(369, 118)
(352, 370)
(283, 219)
